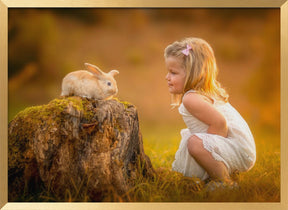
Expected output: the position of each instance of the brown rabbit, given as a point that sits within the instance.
(93, 83)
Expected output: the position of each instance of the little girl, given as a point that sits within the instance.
(217, 141)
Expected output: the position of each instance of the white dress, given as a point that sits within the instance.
(237, 151)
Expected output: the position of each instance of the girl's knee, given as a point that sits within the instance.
(194, 145)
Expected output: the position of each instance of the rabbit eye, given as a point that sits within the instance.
(109, 83)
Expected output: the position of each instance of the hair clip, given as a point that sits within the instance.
(186, 51)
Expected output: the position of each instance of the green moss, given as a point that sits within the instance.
(54, 109)
(28, 111)
(125, 103)
(45, 114)
(51, 115)
(62, 103)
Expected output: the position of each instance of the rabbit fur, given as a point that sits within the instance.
(93, 83)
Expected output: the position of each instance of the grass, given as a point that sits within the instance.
(260, 184)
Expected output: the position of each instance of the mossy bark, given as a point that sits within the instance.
(75, 147)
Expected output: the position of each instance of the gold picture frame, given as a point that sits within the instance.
(5, 4)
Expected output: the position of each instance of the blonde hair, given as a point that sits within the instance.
(201, 69)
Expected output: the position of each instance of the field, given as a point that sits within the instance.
(260, 184)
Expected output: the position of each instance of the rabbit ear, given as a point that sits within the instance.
(94, 69)
(113, 73)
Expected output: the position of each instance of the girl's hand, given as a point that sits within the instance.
(202, 108)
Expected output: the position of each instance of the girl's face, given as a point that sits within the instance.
(176, 75)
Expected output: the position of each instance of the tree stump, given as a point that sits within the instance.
(75, 148)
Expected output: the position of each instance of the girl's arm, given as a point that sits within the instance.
(201, 108)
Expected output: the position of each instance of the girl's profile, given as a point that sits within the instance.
(217, 141)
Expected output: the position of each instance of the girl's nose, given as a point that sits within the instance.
(167, 76)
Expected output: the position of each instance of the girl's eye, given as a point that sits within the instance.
(109, 83)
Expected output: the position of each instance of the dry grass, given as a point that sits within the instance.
(261, 184)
